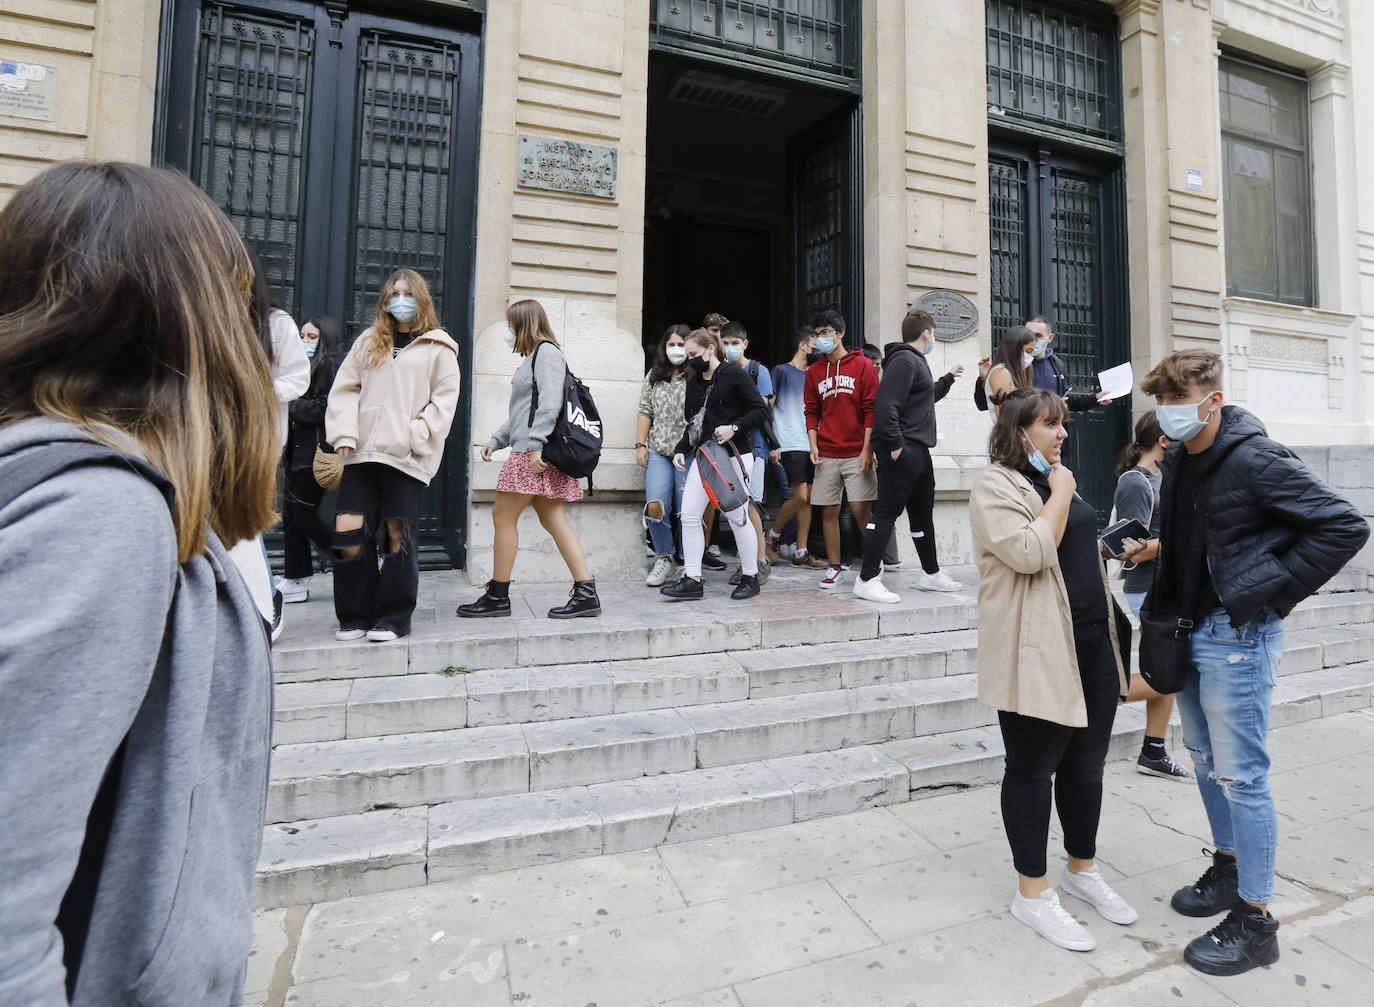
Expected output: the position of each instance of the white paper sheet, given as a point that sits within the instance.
(1116, 382)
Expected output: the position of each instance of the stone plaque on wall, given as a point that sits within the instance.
(583, 169)
(27, 90)
(955, 316)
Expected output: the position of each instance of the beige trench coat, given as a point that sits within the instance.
(1027, 663)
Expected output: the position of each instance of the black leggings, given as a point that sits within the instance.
(905, 484)
(301, 524)
(369, 594)
(1074, 756)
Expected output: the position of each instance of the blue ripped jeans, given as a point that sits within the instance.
(1225, 711)
(663, 483)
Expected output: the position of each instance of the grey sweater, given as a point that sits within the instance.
(517, 431)
(139, 685)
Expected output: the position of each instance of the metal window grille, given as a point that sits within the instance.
(820, 228)
(406, 98)
(1054, 67)
(255, 81)
(1076, 221)
(1007, 196)
(815, 38)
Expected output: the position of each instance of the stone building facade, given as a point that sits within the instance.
(1150, 174)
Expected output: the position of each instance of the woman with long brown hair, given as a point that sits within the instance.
(526, 479)
(390, 411)
(138, 435)
(1011, 366)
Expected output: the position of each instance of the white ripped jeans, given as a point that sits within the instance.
(694, 504)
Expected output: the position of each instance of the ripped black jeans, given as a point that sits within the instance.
(375, 590)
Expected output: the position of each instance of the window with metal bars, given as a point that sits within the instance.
(1055, 66)
(813, 38)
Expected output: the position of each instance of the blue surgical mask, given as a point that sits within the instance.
(1039, 350)
(825, 344)
(1037, 458)
(401, 307)
(309, 349)
(1180, 423)
(733, 352)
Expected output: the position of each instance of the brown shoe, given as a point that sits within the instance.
(770, 549)
(809, 562)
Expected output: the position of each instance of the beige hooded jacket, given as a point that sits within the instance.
(399, 412)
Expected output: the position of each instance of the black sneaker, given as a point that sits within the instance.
(1167, 767)
(748, 587)
(1245, 940)
(277, 624)
(684, 589)
(710, 562)
(1214, 892)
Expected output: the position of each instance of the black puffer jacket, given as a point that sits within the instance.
(307, 416)
(1274, 532)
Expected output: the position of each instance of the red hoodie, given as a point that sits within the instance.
(839, 403)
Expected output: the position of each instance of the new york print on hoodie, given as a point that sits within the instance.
(839, 403)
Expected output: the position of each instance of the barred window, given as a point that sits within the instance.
(1266, 187)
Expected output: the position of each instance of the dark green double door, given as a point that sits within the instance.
(342, 142)
(1057, 232)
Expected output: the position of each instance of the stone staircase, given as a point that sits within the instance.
(481, 746)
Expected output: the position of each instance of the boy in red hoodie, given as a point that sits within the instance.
(840, 389)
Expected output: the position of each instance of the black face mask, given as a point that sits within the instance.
(813, 356)
(697, 364)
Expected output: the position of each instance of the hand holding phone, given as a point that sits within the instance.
(1113, 538)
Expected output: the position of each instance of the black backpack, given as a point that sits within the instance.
(574, 445)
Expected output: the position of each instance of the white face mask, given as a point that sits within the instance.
(675, 354)
(508, 337)
(1027, 359)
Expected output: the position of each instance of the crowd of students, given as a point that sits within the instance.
(149, 391)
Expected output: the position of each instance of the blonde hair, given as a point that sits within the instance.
(530, 325)
(705, 339)
(125, 305)
(381, 338)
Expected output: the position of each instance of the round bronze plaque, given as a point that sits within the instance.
(955, 316)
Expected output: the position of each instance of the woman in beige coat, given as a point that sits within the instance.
(1048, 659)
(389, 413)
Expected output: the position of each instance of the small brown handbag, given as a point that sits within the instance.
(327, 466)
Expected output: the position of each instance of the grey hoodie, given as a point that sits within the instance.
(141, 687)
(517, 432)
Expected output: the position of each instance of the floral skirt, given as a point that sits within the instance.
(517, 477)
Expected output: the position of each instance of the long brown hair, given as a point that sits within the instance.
(1019, 409)
(664, 369)
(530, 325)
(125, 304)
(1147, 435)
(1009, 353)
(381, 338)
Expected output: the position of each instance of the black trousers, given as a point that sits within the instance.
(907, 484)
(301, 524)
(1039, 749)
(369, 594)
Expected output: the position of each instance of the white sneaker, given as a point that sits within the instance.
(1052, 921)
(787, 551)
(293, 589)
(938, 581)
(831, 580)
(1089, 886)
(662, 572)
(381, 635)
(873, 590)
(349, 634)
(714, 550)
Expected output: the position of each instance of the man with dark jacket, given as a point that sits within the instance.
(903, 434)
(1246, 533)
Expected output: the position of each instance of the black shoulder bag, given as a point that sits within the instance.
(1166, 638)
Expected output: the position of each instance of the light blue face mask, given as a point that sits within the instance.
(733, 352)
(309, 349)
(401, 307)
(1180, 423)
(825, 344)
(1039, 350)
(1037, 457)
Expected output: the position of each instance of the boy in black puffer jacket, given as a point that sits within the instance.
(1246, 532)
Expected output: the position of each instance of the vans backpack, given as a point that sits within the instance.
(574, 445)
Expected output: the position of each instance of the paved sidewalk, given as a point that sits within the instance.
(903, 905)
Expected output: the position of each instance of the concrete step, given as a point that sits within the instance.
(1352, 578)
(402, 704)
(1329, 610)
(306, 861)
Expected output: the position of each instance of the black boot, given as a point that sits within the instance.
(1246, 939)
(748, 587)
(495, 601)
(582, 602)
(1214, 892)
(684, 589)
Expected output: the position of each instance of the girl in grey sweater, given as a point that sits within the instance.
(526, 479)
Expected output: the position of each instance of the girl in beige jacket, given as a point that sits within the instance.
(390, 411)
(1049, 659)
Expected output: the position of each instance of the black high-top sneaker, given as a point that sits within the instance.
(582, 602)
(748, 587)
(495, 601)
(1245, 940)
(1214, 892)
(685, 588)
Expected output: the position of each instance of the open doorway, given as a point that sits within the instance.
(751, 197)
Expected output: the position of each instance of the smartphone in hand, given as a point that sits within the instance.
(1114, 536)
